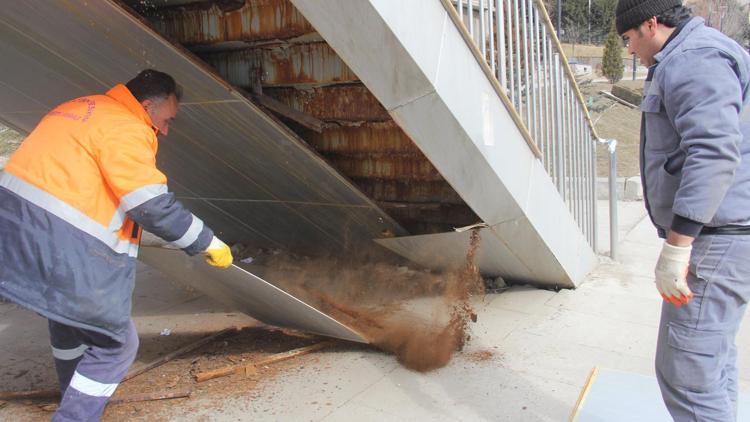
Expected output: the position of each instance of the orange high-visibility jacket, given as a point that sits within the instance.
(72, 199)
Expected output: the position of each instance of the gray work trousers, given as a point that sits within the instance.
(696, 355)
(89, 367)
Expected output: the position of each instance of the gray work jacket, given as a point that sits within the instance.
(695, 143)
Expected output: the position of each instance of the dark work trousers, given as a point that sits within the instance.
(696, 356)
(89, 366)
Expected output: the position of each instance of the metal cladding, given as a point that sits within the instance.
(222, 22)
(282, 65)
(290, 63)
(351, 103)
(247, 293)
(386, 165)
(369, 138)
(244, 173)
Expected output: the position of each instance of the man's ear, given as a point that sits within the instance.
(147, 104)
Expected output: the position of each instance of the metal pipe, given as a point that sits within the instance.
(565, 138)
(501, 68)
(538, 76)
(582, 178)
(559, 127)
(517, 31)
(525, 32)
(552, 117)
(547, 96)
(569, 141)
(511, 50)
(613, 220)
(470, 14)
(461, 9)
(490, 25)
(584, 172)
(532, 72)
(577, 163)
(594, 196)
(482, 30)
(613, 223)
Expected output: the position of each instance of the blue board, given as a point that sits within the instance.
(617, 396)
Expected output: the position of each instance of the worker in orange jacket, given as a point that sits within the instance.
(73, 199)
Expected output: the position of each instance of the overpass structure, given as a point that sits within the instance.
(327, 127)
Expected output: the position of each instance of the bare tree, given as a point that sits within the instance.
(728, 16)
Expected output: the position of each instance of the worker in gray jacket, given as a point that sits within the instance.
(695, 165)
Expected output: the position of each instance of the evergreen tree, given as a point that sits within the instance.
(612, 65)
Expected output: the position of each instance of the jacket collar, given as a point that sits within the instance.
(693, 24)
(122, 95)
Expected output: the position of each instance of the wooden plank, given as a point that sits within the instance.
(251, 368)
(159, 395)
(295, 115)
(141, 368)
(584, 393)
(32, 394)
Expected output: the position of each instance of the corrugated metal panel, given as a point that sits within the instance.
(370, 137)
(209, 23)
(247, 293)
(386, 166)
(237, 168)
(408, 191)
(337, 102)
(285, 65)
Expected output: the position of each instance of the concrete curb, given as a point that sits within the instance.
(628, 188)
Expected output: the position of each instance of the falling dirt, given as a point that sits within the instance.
(420, 316)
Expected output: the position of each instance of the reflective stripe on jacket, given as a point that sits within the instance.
(72, 202)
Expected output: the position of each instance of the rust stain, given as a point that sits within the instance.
(311, 63)
(209, 23)
(454, 214)
(402, 167)
(369, 137)
(411, 191)
(336, 102)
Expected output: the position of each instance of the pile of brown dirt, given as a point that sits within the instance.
(420, 316)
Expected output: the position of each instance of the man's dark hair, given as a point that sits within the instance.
(152, 85)
(674, 17)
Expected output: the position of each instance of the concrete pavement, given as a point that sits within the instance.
(530, 354)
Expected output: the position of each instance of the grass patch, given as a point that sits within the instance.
(583, 50)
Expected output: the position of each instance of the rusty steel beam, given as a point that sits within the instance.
(457, 215)
(216, 22)
(336, 102)
(411, 191)
(311, 64)
(287, 112)
(366, 137)
(386, 166)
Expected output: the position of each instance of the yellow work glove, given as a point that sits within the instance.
(218, 254)
(671, 274)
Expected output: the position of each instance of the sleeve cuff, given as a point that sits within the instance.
(686, 226)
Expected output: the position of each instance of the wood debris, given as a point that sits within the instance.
(251, 368)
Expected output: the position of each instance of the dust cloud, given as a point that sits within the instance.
(420, 316)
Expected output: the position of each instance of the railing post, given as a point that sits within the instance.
(613, 223)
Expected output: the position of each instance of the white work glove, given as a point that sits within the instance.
(218, 254)
(671, 274)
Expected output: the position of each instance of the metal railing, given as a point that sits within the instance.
(519, 45)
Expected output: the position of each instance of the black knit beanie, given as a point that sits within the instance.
(631, 13)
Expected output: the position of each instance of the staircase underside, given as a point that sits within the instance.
(242, 171)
